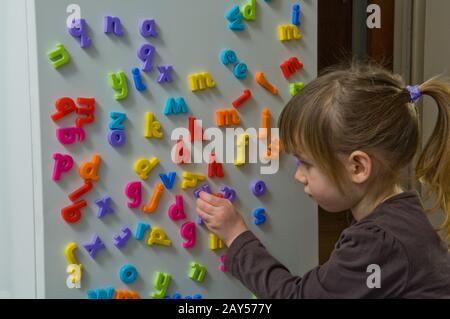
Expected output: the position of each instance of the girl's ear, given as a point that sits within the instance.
(360, 166)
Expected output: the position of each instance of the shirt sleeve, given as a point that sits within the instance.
(349, 273)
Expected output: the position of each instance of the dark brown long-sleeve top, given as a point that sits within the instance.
(396, 236)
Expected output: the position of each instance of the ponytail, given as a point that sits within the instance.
(433, 166)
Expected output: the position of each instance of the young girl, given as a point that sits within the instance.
(352, 131)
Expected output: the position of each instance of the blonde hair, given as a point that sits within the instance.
(365, 107)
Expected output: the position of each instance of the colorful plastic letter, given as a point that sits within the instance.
(150, 207)
(248, 11)
(143, 166)
(203, 188)
(258, 214)
(214, 168)
(69, 134)
(195, 131)
(83, 189)
(122, 238)
(63, 164)
(152, 127)
(128, 274)
(215, 242)
(168, 179)
(125, 294)
(176, 210)
(89, 102)
(175, 106)
(88, 169)
(145, 54)
(112, 25)
(235, 18)
(197, 272)
(200, 81)
(182, 153)
(138, 80)
(58, 56)
(104, 206)
(134, 191)
(246, 94)
(273, 149)
(242, 141)
(191, 179)
(296, 14)
(294, 88)
(226, 117)
(79, 30)
(118, 82)
(265, 123)
(74, 278)
(228, 193)
(148, 28)
(258, 187)
(117, 120)
(64, 105)
(141, 228)
(187, 231)
(160, 283)
(288, 32)
(158, 236)
(95, 245)
(165, 73)
(240, 70)
(101, 293)
(68, 252)
(72, 213)
(222, 263)
(228, 56)
(176, 296)
(290, 66)
(260, 78)
(117, 138)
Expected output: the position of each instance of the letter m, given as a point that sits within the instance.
(288, 32)
(290, 66)
(200, 81)
(227, 117)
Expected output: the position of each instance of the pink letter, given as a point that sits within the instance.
(67, 135)
(134, 191)
(63, 164)
(176, 210)
(187, 231)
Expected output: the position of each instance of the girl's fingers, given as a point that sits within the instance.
(211, 199)
(204, 216)
(207, 219)
(205, 206)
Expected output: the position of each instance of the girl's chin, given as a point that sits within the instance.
(331, 208)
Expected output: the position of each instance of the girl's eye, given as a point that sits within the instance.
(302, 163)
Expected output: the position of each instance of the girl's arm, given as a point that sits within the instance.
(345, 275)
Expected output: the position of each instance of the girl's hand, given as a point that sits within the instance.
(220, 217)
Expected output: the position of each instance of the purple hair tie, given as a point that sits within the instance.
(414, 92)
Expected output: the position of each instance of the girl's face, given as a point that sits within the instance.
(320, 188)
